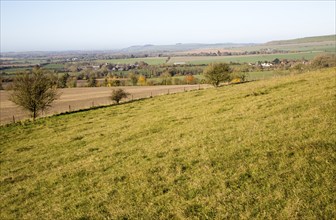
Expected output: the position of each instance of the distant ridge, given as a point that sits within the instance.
(148, 48)
(304, 40)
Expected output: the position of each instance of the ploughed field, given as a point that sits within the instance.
(258, 150)
(81, 98)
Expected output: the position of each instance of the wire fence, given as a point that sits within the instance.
(16, 114)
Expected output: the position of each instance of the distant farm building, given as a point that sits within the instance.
(179, 63)
(266, 64)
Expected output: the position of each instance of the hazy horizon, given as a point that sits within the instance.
(111, 25)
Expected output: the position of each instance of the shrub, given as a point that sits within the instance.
(72, 82)
(216, 73)
(119, 94)
(190, 79)
(322, 61)
(177, 81)
(142, 80)
(133, 77)
(92, 81)
(238, 77)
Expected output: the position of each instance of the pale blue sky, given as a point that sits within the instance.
(99, 25)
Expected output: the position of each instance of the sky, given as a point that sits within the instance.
(105, 25)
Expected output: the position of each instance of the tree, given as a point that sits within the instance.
(1, 87)
(133, 77)
(166, 78)
(142, 80)
(34, 91)
(62, 81)
(216, 73)
(119, 94)
(92, 80)
(71, 82)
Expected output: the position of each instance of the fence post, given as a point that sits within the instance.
(151, 95)
(132, 97)
(199, 86)
(69, 108)
(168, 91)
(13, 119)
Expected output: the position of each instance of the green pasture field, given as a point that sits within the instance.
(258, 150)
(241, 59)
(15, 70)
(323, 46)
(54, 66)
(149, 60)
(316, 39)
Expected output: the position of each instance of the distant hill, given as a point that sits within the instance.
(178, 47)
(304, 40)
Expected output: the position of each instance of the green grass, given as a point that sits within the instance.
(305, 40)
(15, 70)
(242, 59)
(264, 149)
(54, 66)
(149, 60)
(304, 47)
(260, 75)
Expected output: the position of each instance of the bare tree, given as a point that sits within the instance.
(34, 91)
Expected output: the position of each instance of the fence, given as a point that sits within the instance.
(61, 106)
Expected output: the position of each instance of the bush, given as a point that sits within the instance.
(119, 94)
(142, 80)
(238, 77)
(216, 73)
(298, 68)
(177, 81)
(133, 77)
(190, 79)
(323, 61)
(92, 81)
(71, 82)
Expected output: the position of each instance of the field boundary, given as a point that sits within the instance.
(132, 98)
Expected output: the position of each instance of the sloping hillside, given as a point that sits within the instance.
(264, 149)
(304, 40)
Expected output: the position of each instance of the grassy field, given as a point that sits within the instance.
(328, 46)
(149, 60)
(241, 59)
(304, 40)
(264, 150)
(54, 66)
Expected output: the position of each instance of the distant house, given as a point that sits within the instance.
(266, 64)
(95, 67)
(179, 63)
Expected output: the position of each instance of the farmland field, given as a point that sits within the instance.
(149, 60)
(323, 46)
(258, 150)
(80, 98)
(242, 58)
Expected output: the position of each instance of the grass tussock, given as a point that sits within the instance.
(256, 150)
